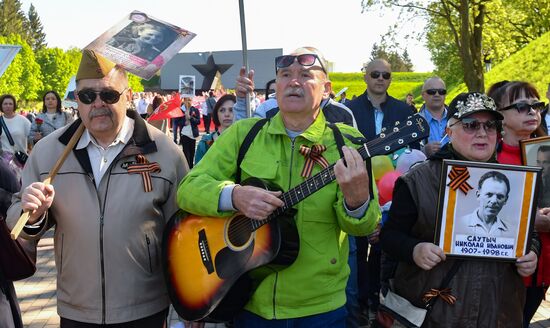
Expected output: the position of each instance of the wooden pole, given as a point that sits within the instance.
(245, 52)
(49, 179)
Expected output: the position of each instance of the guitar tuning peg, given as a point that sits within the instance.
(397, 123)
(396, 129)
(382, 135)
(383, 130)
(409, 123)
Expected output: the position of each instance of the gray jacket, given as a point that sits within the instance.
(107, 239)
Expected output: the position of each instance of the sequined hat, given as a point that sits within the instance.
(466, 104)
(93, 66)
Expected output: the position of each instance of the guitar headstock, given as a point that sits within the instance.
(402, 134)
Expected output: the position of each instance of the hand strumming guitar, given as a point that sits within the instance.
(255, 203)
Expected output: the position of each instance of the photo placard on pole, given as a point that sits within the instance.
(141, 43)
(187, 86)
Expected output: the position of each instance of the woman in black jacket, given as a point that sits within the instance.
(187, 138)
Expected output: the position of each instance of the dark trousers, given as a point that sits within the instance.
(157, 320)
(177, 125)
(188, 146)
(332, 319)
(207, 119)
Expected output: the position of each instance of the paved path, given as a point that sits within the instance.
(37, 295)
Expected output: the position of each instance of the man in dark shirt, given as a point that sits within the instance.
(375, 109)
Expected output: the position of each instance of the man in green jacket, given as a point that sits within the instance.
(311, 291)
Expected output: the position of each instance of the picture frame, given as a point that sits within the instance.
(187, 86)
(486, 210)
(141, 44)
(536, 152)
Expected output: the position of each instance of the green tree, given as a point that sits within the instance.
(22, 78)
(12, 19)
(399, 62)
(460, 33)
(56, 68)
(37, 37)
(134, 82)
(464, 20)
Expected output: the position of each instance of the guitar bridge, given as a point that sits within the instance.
(205, 252)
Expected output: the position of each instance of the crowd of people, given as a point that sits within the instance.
(367, 234)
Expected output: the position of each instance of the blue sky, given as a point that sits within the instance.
(336, 27)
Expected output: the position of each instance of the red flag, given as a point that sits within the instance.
(168, 109)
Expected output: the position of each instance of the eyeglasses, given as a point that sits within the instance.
(109, 96)
(432, 92)
(304, 60)
(523, 107)
(376, 74)
(471, 125)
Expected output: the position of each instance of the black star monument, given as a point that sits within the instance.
(209, 71)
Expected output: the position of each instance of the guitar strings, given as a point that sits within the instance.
(374, 146)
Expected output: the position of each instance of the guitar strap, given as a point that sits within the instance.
(246, 144)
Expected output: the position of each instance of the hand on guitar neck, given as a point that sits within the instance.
(255, 203)
(352, 178)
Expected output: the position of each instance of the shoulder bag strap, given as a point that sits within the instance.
(246, 144)
(8, 134)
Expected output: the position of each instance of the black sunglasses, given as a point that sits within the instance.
(376, 74)
(471, 125)
(304, 60)
(523, 107)
(109, 96)
(432, 92)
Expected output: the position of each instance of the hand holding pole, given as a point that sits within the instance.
(72, 142)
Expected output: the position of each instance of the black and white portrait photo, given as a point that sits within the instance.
(146, 40)
(141, 44)
(187, 86)
(486, 210)
(488, 219)
(536, 152)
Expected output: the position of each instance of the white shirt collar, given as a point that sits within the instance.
(123, 135)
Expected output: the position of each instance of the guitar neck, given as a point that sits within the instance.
(307, 188)
(415, 128)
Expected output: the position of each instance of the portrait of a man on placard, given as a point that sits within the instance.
(538, 154)
(493, 191)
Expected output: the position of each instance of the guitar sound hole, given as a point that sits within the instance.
(239, 231)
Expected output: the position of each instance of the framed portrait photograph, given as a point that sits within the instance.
(187, 86)
(141, 43)
(486, 210)
(536, 152)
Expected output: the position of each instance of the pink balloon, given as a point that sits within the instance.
(385, 186)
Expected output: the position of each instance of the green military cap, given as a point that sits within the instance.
(93, 66)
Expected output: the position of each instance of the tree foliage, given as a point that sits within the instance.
(22, 78)
(460, 34)
(57, 68)
(12, 19)
(134, 82)
(400, 62)
(464, 20)
(37, 37)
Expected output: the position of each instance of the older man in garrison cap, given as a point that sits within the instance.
(109, 204)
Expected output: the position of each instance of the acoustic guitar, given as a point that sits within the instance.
(207, 260)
